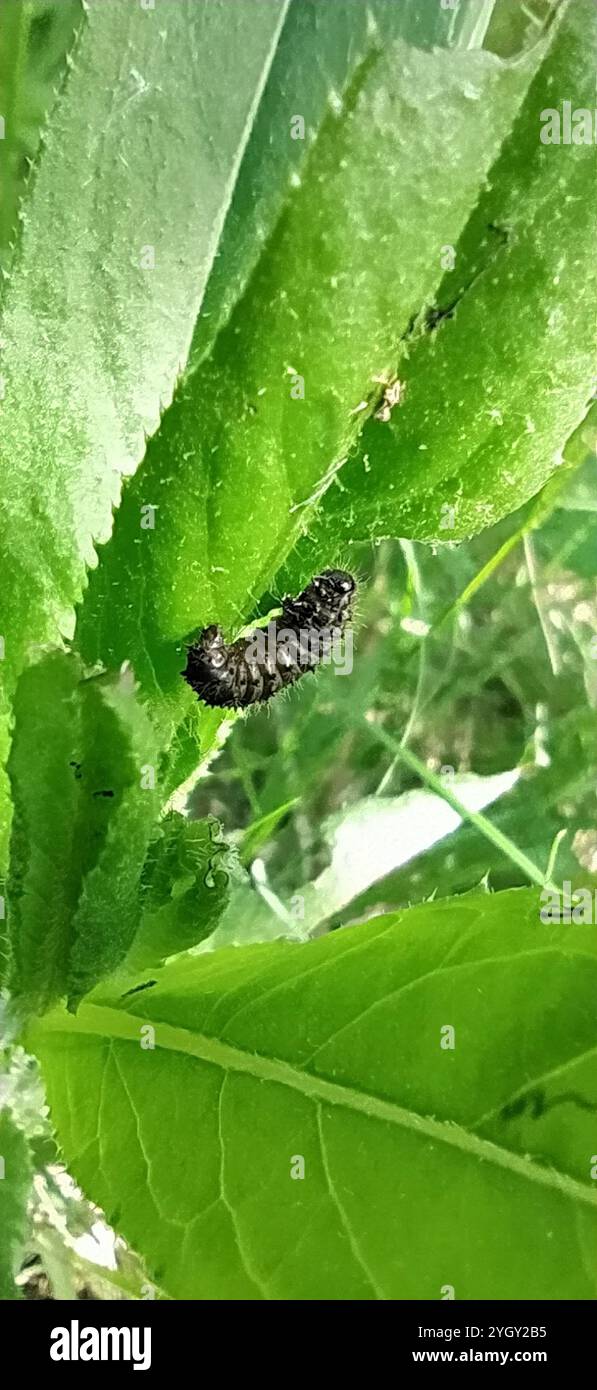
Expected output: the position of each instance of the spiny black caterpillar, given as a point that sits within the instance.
(255, 667)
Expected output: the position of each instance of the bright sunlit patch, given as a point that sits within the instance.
(380, 834)
(415, 627)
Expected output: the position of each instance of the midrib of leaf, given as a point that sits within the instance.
(106, 1023)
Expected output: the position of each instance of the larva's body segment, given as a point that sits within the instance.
(253, 669)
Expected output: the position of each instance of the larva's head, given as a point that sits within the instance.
(211, 638)
(335, 590)
(338, 581)
(325, 603)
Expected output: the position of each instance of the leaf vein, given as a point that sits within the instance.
(352, 1239)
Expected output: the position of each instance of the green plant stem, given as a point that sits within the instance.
(475, 818)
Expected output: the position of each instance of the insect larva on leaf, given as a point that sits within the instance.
(258, 665)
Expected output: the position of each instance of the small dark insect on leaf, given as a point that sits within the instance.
(148, 984)
(252, 669)
(537, 1103)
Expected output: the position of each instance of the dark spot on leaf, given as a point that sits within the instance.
(502, 232)
(137, 988)
(435, 316)
(537, 1104)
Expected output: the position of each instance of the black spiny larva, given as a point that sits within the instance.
(255, 667)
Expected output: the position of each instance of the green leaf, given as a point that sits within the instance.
(44, 878)
(480, 432)
(379, 833)
(185, 888)
(423, 1165)
(363, 845)
(15, 1188)
(120, 229)
(35, 37)
(109, 909)
(261, 830)
(84, 811)
(238, 462)
(320, 49)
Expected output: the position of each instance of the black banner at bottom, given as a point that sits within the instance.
(151, 1338)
